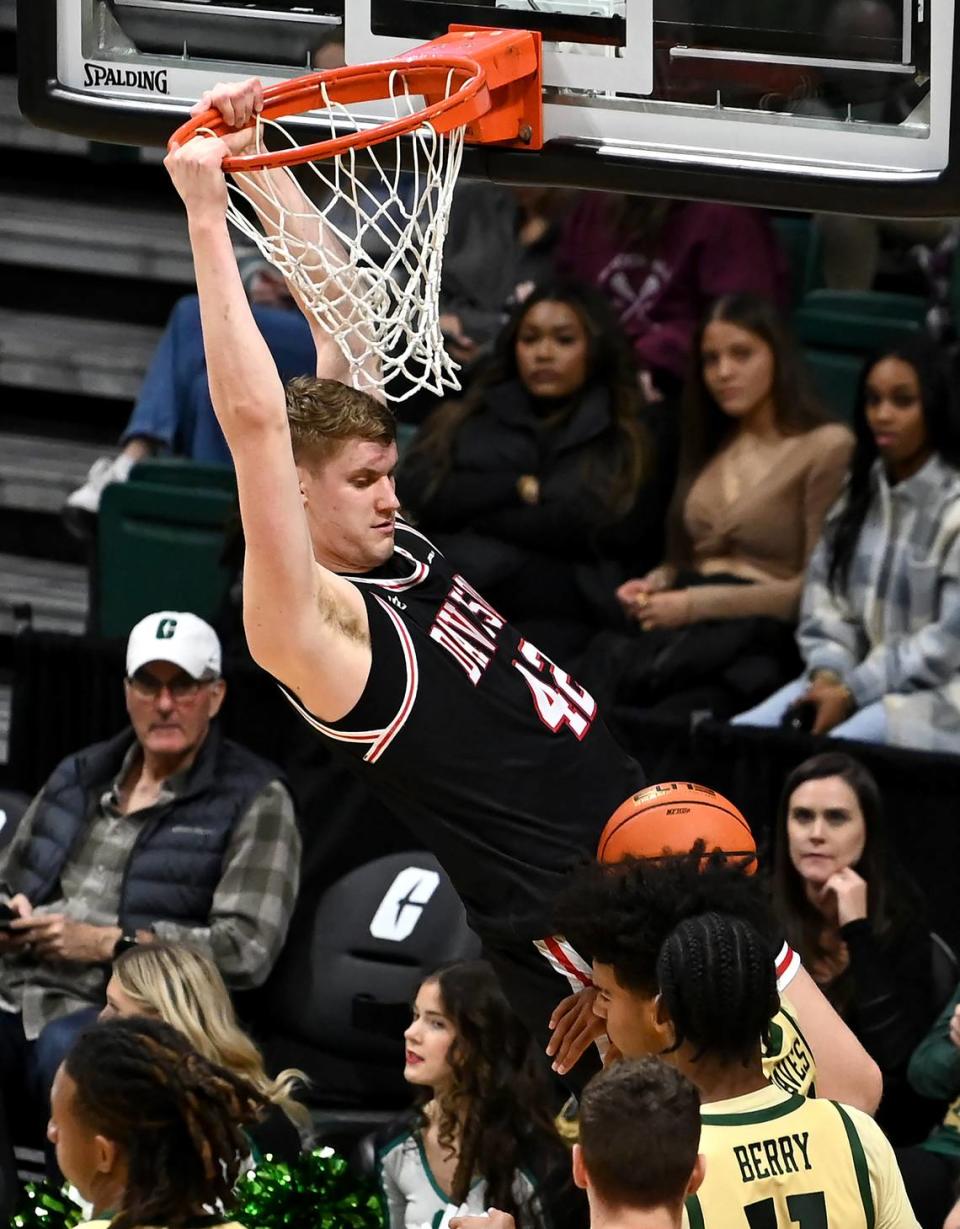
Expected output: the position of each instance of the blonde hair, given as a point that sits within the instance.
(183, 987)
(323, 414)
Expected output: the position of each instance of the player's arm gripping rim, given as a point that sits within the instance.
(286, 593)
(273, 193)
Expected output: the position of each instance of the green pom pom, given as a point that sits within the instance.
(317, 1191)
(45, 1206)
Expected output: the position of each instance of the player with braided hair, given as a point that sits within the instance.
(697, 986)
(146, 1129)
(811, 1048)
(713, 958)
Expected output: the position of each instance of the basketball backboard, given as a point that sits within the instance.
(845, 105)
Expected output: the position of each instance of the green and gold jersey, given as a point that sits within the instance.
(788, 1060)
(775, 1160)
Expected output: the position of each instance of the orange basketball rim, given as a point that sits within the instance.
(483, 80)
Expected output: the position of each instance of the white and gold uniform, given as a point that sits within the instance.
(775, 1160)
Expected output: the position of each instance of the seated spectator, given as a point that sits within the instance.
(759, 467)
(542, 484)
(637, 1159)
(167, 831)
(856, 920)
(499, 245)
(173, 413)
(183, 987)
(147, 1131)
(701, 993)
(931, 1169)
(482, 1132)
(663, 263)
(880, 620)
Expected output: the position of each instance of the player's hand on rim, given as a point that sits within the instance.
(195, 169)
(239, 102)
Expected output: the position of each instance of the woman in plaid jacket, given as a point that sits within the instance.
(880, 619)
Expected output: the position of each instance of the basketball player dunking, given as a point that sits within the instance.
(491, 754)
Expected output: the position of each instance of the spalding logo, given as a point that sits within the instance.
(154, 80)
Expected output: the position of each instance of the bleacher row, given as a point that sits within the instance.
(89, 268)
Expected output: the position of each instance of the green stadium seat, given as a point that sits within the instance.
(175, 471)
(858, 320)
(870, 303)
(160, 548)
(800, 240)
(836, 377)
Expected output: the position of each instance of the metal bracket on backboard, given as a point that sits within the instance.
(628, 72)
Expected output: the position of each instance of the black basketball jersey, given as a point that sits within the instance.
(489, 752)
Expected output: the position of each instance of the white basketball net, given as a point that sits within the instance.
(363, 251)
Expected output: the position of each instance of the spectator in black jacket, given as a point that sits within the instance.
(542, 482)
(857, 922)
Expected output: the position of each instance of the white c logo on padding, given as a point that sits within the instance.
(400, 909)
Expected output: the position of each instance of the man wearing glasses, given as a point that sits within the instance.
(168, 831)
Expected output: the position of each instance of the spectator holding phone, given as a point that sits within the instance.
(167, 831)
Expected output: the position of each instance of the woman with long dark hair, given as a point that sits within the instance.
(146, 1130)
(759, 467)
(481, 1134)
(543, 483)
(879, 629)
(856, 920)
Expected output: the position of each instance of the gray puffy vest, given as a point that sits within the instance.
(177, 861)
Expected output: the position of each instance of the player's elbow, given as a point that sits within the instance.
(274, 646)
(865, 1086)
(264, 644)
(242, 413)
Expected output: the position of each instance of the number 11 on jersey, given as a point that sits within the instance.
(808, 1211)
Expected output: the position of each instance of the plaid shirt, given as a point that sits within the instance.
(894, 633)
(249, 916)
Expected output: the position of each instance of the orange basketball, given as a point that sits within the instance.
(669, 818)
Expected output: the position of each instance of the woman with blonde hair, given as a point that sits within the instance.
(183, 987)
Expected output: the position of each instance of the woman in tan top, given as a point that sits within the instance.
(759, 467)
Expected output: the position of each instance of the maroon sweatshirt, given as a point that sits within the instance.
(703, 251)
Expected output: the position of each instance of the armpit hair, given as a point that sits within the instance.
(342, 621)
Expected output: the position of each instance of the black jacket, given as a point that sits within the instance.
(493, 536)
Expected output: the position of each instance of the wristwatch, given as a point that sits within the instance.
(124, 944)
